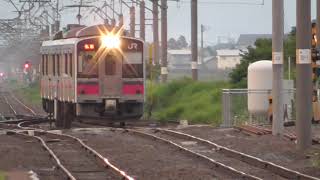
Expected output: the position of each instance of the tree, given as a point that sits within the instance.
(263, 51)
(172, 44)
(182, 42)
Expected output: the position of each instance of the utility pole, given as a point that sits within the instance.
(132, 21)
(57, 22)
(194, 39)
(277, 67)
(164, 39)
(201, 51)
(304, 74)
(155, 31)
(318, 24)
(121, 20)
(113, 22)
(142, 20)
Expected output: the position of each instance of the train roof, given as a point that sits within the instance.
(70, 41)
(73, 35)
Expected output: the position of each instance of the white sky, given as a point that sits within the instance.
(226, 20)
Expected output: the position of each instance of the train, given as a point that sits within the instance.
(92, 72)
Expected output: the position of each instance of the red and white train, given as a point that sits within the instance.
(93, 71)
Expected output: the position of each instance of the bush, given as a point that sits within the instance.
(198, 102)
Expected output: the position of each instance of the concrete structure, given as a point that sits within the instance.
(179, 59)
(228, 58)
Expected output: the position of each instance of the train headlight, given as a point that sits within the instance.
(110, 41)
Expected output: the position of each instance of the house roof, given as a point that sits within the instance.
(209, 58)
(228, 52)
(179, 51)
(249, 39)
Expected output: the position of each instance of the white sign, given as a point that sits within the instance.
(194, 65)
(303, 56)
(164, 70)
(277, 58)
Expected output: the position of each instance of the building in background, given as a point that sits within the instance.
(246, 40)
(179, 59)
(228, 58)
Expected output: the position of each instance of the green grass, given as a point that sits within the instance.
(197, 102)
(2, 176)
(30, 92)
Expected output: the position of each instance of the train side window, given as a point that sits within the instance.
(70, 64)
(66, 63)
(58, 65)
(53, 65)
(46, 66)
(42, 65)
(49, 65)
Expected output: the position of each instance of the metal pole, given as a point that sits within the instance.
(289, 68)
(132, 21)
(113, 23)
(318, 24)
(120, 20)
(142, 20)
(106, 21)
(156, 31)
(277, 67)
(194, 39)
(202, 55)
(164, 39)
(304, 74)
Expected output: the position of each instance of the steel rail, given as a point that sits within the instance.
(216, 164)
(52, 154)
(277, 169)
(104, 160)
(10, 105)
(21, 103)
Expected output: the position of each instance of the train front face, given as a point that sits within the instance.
(110, 77)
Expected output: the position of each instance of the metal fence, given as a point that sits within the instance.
(235, 106)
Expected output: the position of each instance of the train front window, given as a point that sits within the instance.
(87, 65)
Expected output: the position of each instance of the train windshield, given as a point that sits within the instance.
(88, 65)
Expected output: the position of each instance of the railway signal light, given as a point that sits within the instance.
(27, 65)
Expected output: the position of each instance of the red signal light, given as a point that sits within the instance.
(26, 66)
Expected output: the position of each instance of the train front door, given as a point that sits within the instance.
(110, 74)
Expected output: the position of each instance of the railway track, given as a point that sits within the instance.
(93, 165)
(236, 164)
(73, 157)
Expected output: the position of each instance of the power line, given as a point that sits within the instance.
(261, 2)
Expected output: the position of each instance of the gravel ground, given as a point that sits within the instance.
(19, 154)
(146, 159)
(275, 149)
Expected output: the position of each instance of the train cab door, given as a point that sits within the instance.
(110, 74)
